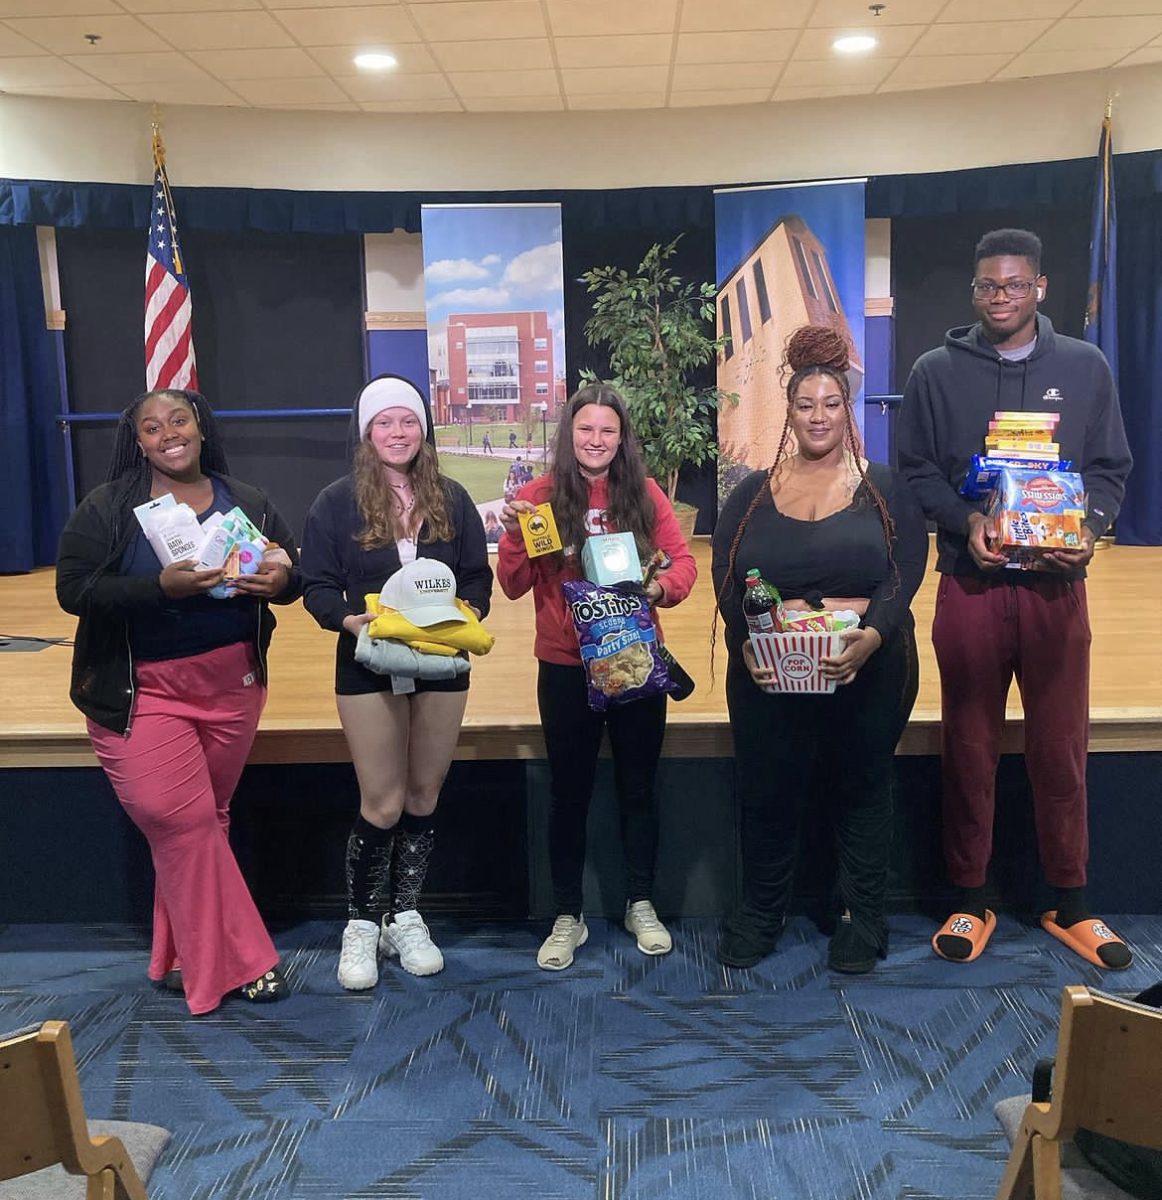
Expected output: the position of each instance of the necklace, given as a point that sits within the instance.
(406, 503)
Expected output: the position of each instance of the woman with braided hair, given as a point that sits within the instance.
(172, 682)
(829, 530)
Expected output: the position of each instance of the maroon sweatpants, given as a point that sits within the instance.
(987, 630)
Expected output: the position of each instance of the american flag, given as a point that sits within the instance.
(169, 344)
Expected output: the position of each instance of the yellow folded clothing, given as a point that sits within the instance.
(445, 638)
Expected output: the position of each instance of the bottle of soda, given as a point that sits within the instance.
(761, 604)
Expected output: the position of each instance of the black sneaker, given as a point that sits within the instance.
(266, 989)
(849, 953)
(746, 938)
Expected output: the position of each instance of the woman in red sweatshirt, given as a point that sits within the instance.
(598, 485)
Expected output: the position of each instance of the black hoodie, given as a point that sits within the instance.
(950, 398)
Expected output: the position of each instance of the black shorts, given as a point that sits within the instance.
(354, 679)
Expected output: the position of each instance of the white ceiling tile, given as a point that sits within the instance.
(580, 81)
(1092, 33)
(67, 91)
(852, 72)
(413, 106)
(1003, 10)
(183, 91)
(12, 44)
(288, 63)
(505, 83)
(1149, 54)
(571, 18)
(365, 88)
(894, 41)
(944, 70)
(349, 106)
(822, 92)
(118, 69)
(184, 6)
(411, 58)
(979, 37)
(772, 45)
(290, 91)
(349, 26)
(717, 76)
(1116, 8)
(44, 70)
(718, 15)
(280, 5)
(222, 31)
(502, 54)
(58, 8)
(66, 35)
(1060, 63)
(707, 99)
(514, 103)
(462, 20)
(641, 49)
(836, 14)
(618, 100)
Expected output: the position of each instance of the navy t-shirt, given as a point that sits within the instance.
(182, 628)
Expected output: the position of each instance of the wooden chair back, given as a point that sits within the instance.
(42, 1117)
(1107, 1078)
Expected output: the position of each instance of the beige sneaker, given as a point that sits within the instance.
(556, 952)
(652, 936)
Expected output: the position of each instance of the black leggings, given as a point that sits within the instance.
(572, 739)
(781, 741)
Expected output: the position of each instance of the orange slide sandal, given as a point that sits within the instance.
(1086, 938)
(970, 929)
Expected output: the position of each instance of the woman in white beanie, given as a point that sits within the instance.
(393, 508)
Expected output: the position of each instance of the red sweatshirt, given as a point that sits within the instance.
(556, 640)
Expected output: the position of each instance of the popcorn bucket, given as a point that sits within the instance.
(794, 657)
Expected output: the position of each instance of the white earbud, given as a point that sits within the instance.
(1040, 293)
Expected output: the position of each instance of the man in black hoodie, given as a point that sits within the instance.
(992, 623)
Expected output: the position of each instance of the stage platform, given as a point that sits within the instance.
(42, 729)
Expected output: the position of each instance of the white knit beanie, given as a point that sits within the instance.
(390, 392)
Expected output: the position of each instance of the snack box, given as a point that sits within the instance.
(1026, 418)
(1034, 511)
(1025, 445)
(983, 472)
(608, 558)
(794, 657)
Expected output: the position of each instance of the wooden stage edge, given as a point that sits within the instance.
(40, 728)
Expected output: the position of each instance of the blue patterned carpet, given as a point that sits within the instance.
(625, 1078)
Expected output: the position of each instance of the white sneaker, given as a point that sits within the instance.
(556, 952)
(652, 936)
(358, 969)
(408, 937)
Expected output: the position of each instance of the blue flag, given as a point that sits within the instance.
(1101, 309)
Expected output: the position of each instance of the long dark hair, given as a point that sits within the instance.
(811, 350)
(128, 464)
(127, 457)
(630, 508)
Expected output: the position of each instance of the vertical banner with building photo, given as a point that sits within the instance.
(494, 295)
(786, 256)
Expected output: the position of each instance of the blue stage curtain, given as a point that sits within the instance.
(32, 503)
(1140, 350)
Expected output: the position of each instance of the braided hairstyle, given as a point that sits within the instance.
(129, 465)
(810, 351)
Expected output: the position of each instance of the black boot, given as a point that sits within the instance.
(746, 937)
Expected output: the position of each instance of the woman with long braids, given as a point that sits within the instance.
(172, 682)
(829, 530)
(394, 508)
(598, 485)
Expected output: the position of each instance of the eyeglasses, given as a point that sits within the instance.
(1015, 289)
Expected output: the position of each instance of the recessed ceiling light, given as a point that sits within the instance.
(375, 61)
(857, 43)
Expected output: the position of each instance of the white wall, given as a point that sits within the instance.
(1025, 120)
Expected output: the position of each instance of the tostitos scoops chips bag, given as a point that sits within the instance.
(618, 642)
